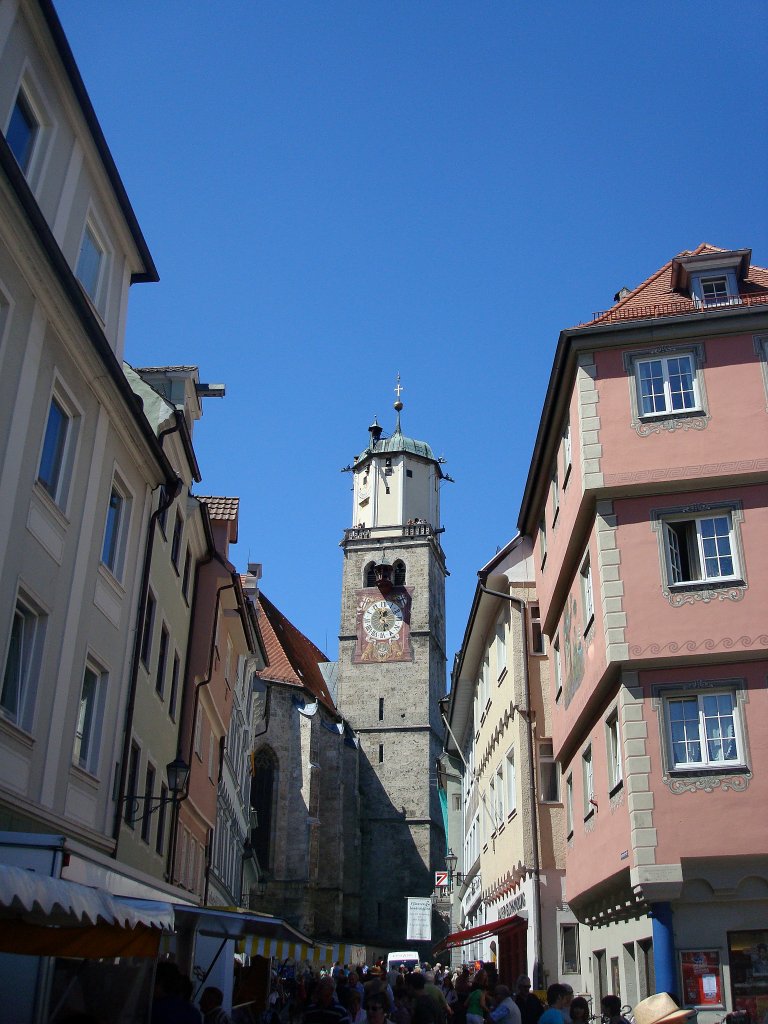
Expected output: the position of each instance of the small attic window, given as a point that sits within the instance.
(714, 290)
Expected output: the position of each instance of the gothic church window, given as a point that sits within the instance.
(264, 803)
(398, 575)
(370, 575)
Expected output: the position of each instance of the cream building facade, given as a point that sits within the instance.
(510, 904)
(80, 464)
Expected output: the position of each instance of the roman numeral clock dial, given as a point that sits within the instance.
(382, 633)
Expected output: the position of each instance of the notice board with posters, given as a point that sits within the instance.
(748, 957)
(702, 974)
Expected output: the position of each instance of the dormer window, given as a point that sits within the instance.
(714, 290)
(711, 277)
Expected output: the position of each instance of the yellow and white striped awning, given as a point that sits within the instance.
(346, 953)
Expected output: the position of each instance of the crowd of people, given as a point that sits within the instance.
(425, 995)
(373, 995)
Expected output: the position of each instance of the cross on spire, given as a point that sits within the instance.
(398, 387)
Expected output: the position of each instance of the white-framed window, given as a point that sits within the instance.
(543, 541)
(613, 750)
(162, 661)
(567, 453)
(501, 645)
(131, 785)
(667, 384)
(178, 529)
(511, 787)
(228, 660)
(186, 575)
(91, 264)
(199, 733)
(569, 805)
(116, 528)
(715, 288)
(587, 596)
(490, 807)
(704, 730)
(57, 456)
(555, 491)
(90, 712)
(557, 665)
(700, 548)
(149, 627)
(23, 130)
(173, 695)
(23, 659)
(569, 947)
(499, 811)
(149, 792)
(588, 780)
(537, 637)
(549, 774)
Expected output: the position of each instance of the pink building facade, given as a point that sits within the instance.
(648, 496)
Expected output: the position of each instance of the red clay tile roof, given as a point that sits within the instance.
(293, 658)
(220, 508)
(656, 297)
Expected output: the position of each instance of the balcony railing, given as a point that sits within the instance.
(415, 529)
(680, 307)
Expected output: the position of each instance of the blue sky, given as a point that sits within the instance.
(337, 192)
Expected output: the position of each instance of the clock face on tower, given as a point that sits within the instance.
(383, 620)
(383, 626)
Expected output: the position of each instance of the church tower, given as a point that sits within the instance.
(392, 671)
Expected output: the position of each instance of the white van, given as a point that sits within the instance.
(410, 958)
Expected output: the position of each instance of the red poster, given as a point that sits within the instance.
(702, 981)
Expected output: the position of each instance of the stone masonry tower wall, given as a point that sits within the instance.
(390, 683)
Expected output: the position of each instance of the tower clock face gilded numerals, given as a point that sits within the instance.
(383, 626)
(382, 620)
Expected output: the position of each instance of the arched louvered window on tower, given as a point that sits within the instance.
(369, 575)
(398, 573)
(264, 804)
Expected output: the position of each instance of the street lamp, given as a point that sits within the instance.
(177, 773)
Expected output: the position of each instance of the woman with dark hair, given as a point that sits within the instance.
(477, 1001)
(611, 1010)
(579, 1010)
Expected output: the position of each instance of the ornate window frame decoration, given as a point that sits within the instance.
(679, 594)
(702, 779)
(695, 419)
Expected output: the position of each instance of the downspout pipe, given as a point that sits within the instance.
(526, 712)
(170, 493)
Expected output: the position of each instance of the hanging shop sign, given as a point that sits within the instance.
(419, 919)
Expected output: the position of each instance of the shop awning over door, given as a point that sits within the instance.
(44, 916)
(346, 953)
(480, 931)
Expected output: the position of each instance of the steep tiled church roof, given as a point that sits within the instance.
(293, 658)
(656, 296)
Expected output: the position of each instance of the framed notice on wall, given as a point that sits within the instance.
(702, 975)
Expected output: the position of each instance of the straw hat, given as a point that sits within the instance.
(660, 1008)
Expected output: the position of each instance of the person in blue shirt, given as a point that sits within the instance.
(557, 996)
